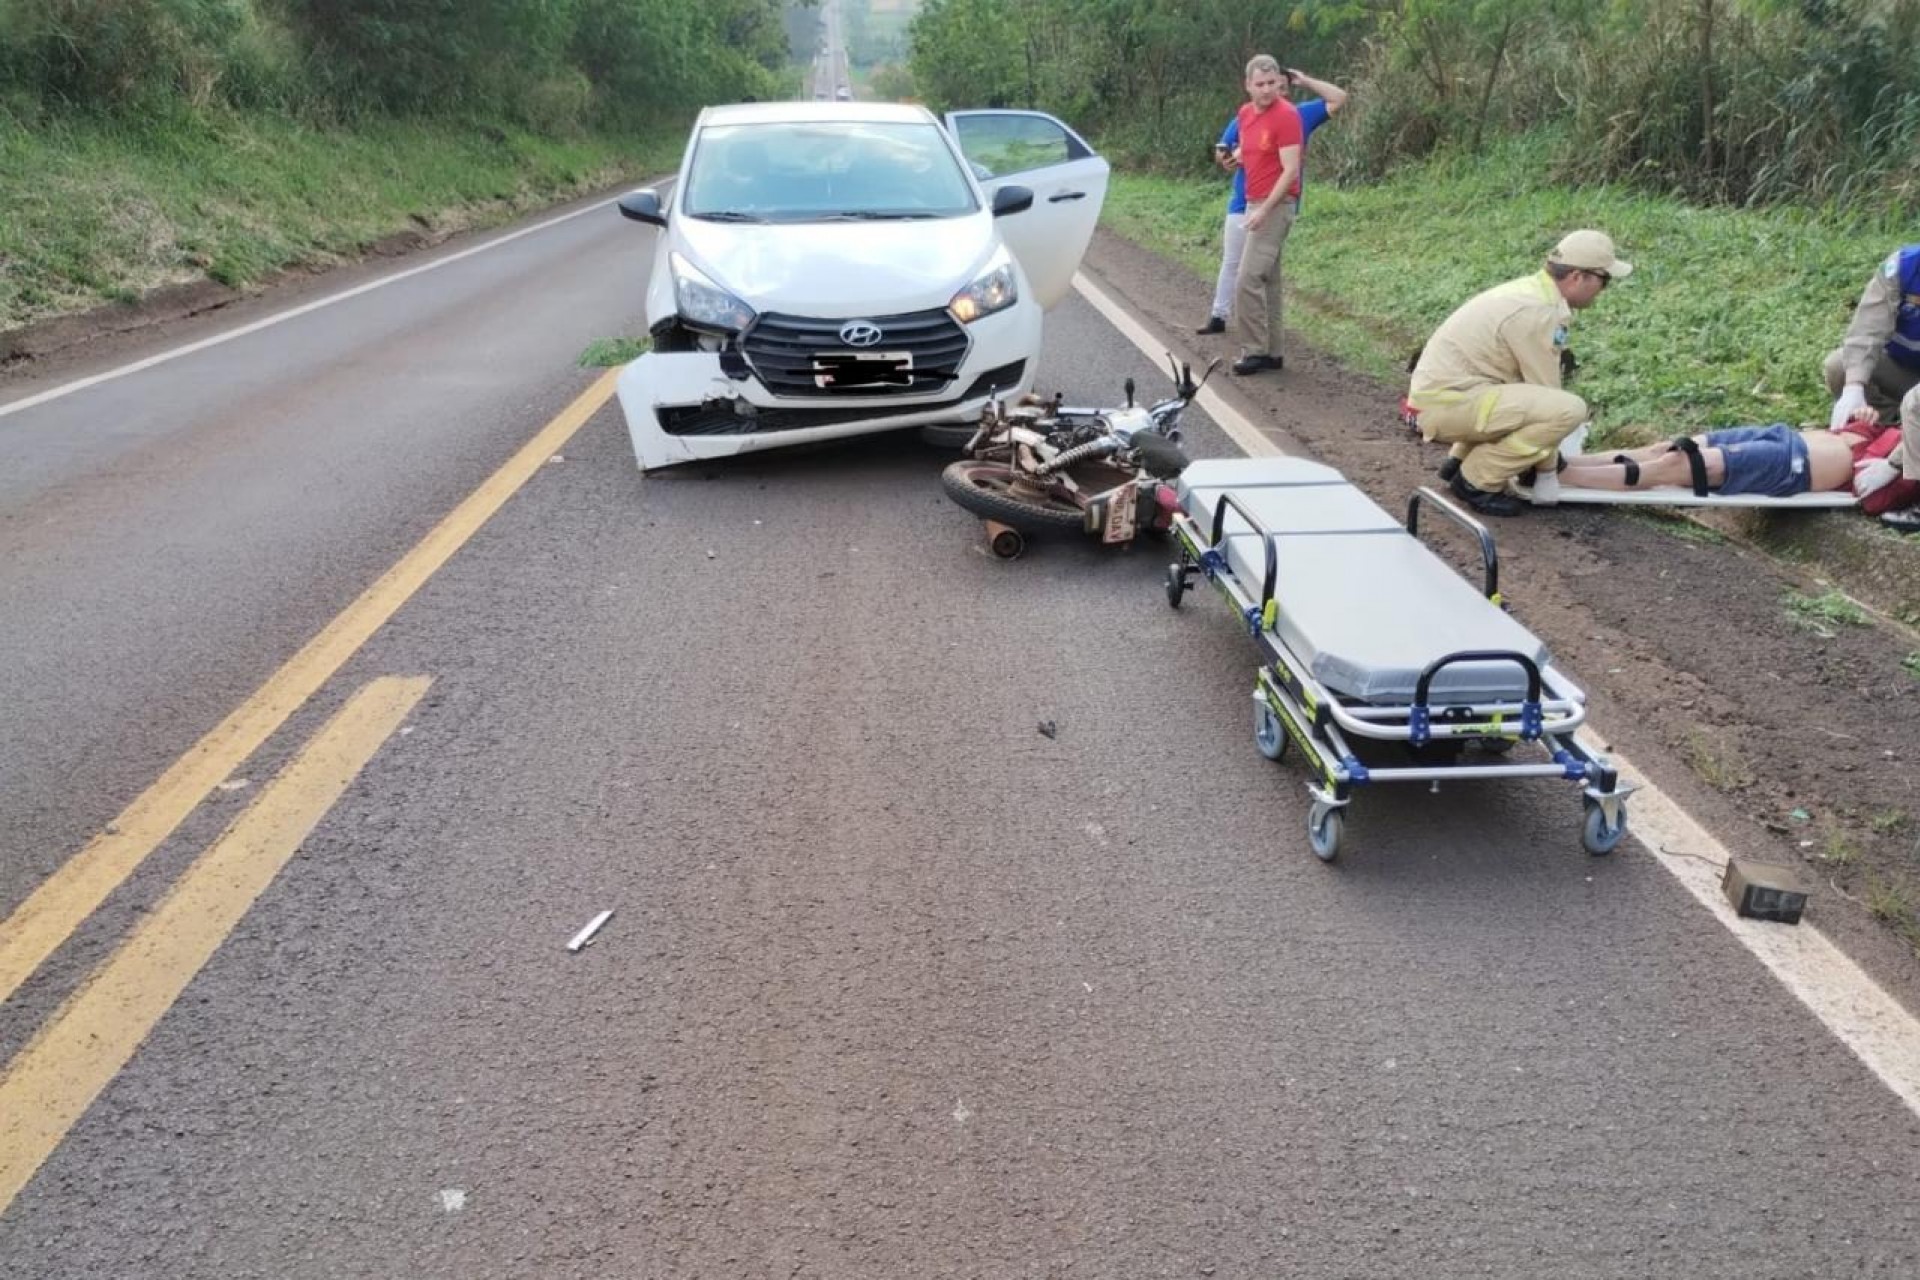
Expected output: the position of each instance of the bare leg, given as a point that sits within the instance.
(1661, 466)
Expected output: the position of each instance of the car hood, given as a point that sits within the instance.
(840, 268)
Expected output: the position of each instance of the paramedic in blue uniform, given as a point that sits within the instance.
(1233, 236)
(1488, 380)
(1876, 369)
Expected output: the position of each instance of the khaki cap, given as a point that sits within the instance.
(1590, 251)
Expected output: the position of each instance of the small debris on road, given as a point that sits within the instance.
(1049, 729)
(232, 784)
(585, 936)
(453, 1200)
(558, 457)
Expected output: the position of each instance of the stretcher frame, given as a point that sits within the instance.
(1292, 707)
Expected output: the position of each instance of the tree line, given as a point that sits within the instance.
(1723, 101)
(548, 64)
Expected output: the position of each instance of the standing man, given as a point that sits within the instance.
(1488, 380)
(1233, 236)
(1270, 144)
(1876, 369)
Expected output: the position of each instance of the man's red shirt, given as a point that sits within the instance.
(1262, 134)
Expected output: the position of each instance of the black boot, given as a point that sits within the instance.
(1487, 504)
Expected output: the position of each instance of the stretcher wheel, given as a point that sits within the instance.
(1596, 836)
(1176, 585)
(1324, 825)
(1268, 733)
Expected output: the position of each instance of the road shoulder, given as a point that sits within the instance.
(1710, 657)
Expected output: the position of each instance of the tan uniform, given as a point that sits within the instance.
(1488, 382)
(1862, 357)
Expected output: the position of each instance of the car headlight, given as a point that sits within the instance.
(992, 290)
(703, 303)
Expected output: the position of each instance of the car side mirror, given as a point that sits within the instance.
(644, 206)
(1012, 200)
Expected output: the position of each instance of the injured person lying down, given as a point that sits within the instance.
(1774, 462)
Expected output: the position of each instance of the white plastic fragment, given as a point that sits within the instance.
(585, 936)
(453, 1200)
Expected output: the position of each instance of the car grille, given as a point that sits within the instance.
(782, 350)
(721, 420)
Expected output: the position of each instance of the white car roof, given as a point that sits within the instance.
(807, 112)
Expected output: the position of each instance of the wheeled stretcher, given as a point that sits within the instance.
(1367, 636)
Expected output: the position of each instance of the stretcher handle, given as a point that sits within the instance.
(1488, 556)
(1267, 536)
(1521, 660)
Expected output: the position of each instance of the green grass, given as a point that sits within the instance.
(1911, 664)
(101, 210)
(1678, 526)
(1819, 614)
(604, 353)
(1725, 320)
(1716, 759)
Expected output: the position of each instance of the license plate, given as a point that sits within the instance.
(839, 370)
(1123, 508)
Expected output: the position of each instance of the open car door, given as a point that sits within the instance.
(1068, 180)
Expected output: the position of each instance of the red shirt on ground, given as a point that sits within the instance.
(1262, 134)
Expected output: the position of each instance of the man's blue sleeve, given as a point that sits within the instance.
(1313, 114)
(1231, 137)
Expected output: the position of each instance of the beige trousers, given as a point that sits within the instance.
(1500, 432)
(1256, 298)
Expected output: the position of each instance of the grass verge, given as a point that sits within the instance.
(604, 353)
(103, 210)
(1725, 320)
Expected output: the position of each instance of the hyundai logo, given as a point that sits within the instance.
(860, 333)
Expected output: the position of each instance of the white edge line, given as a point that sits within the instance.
(1856, 1009)
(81, 384)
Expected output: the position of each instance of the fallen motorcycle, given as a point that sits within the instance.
(1038, 465)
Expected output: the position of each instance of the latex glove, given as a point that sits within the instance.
(1853, 398)
(1872, 476)
(1546, 488)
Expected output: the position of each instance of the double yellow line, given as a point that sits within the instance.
(50, 1084)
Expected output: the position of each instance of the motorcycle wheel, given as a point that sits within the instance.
(989, 490)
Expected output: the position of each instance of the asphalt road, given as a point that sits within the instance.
(895, 985)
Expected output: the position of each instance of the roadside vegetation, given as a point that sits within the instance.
(1756, 159)
(154, 142)
(1725, 319)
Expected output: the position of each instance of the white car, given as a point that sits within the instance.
(832, 269)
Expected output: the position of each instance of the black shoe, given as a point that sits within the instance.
(1257, 364)
(1449, 469)
(1487, 504)
(1906, 520)
(1214, 324)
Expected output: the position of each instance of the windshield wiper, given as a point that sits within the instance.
(729, 215)
(876, 215)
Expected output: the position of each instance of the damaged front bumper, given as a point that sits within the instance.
(686, 407)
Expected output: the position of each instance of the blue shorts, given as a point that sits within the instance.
(1770, 461)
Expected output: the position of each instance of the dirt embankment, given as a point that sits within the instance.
(1711, 662)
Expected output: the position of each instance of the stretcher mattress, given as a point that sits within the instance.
(1363, 605)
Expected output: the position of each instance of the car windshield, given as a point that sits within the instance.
(823, 171)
